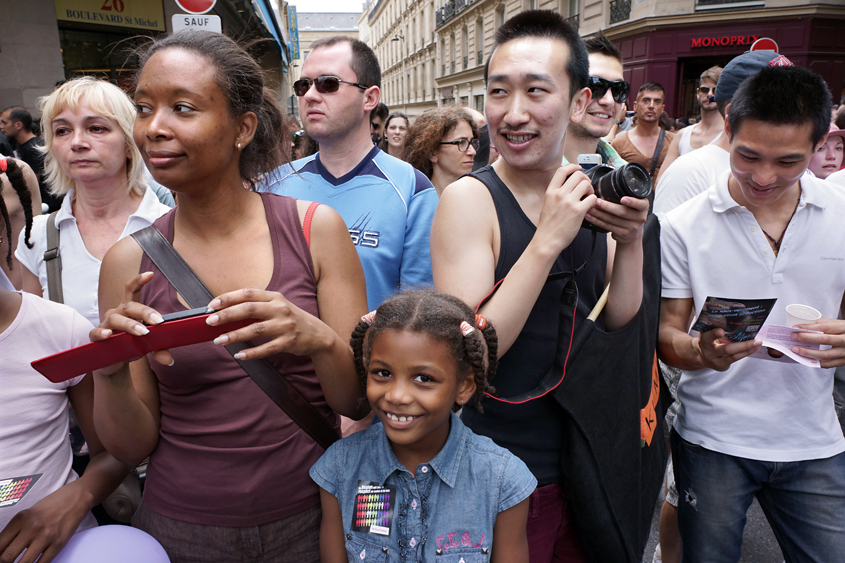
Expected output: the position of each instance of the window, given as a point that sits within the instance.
(500, 16)
(479, 103)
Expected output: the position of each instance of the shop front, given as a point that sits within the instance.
(675, 57)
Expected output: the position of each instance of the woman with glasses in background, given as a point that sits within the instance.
(395, 134)
(441, 144)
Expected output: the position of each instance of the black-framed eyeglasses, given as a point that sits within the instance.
(707, 90)
(323, 84)
(619, 89)
(463, 144)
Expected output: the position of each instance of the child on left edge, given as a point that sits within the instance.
(421, 486)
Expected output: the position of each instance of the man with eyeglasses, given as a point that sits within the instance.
(387, 205)
(647, 143)
(377, 118)
(705, 131)
(609, 93)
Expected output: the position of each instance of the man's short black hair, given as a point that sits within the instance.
(364, 62)
(381, 110)
(551, 25)
(20, 115)
(651, 87)
(599, 44)
(783, 95)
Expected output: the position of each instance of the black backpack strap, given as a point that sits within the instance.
(53, 261)
(657, 150)
(193, 290)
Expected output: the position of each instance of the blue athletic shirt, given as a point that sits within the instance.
(387, 205)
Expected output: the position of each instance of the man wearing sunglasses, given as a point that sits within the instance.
(386, 204)
(705, 131)
(647, 143)
(609, 93)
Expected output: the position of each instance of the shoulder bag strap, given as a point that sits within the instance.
(53, 261)
(194, 291)
(657, 150)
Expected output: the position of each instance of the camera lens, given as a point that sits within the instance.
(630, 180)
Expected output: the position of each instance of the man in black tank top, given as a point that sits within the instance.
(519, 220)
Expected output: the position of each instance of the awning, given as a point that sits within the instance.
(268, 18)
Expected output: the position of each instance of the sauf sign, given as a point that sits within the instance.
(724, 41)
(196, 17)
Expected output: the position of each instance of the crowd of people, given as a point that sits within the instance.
(396, 303)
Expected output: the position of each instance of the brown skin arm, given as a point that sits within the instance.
(332, 545)
(510, 538)
(46, 528)
(126, 400)
(710, 350)
(342, 300)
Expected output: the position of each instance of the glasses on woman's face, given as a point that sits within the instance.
(707, 90)
(619, 89)
(323, 84)
(463, 144)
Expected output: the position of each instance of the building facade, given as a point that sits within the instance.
(433, 51)
(45, 41)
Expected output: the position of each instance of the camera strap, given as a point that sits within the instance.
(657, 150)
(568, 298)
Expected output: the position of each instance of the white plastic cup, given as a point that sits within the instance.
(801, 315)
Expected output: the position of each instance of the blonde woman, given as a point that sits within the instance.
(90, 156)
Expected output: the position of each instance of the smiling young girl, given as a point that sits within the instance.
(421, 486)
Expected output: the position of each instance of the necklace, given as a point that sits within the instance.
(776, 243)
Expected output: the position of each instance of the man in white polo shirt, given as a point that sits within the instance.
(752, 427)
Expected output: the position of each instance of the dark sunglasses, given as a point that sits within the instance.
(323, 84)
(707, 89)
(463, 144)
(619, 89)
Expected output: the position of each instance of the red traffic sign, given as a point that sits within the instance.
(762, 44)
(196, 6)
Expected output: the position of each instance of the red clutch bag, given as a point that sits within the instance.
(124, 346)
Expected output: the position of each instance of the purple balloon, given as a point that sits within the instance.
(109, 544)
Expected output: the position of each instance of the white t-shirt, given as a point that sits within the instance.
(837, 178)
(34, 411)
(688, 176)
(712, 246)
(80, 270)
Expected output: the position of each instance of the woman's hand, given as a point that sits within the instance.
(45, 528)
(130, 317)
(289, 328)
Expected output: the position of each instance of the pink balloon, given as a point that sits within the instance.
(109, 544)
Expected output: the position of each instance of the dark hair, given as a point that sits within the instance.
(840, 117)
(381, 110)
(666, 122)
(783, 95)
(365, 64)
(601, 45)
(15, 175)
(429, 128)
(651, 87)
(395, 115)
(20, 115)
(438, 315)
(242, 81)
(551, 25)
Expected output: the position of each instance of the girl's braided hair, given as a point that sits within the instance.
(440, 316)
(14, 173)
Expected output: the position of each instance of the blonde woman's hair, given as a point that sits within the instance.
(104, 98)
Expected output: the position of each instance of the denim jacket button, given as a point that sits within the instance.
(439, 552)
(349, 536)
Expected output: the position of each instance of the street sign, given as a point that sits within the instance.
(764, 44)
(196, 6)
(205, 23)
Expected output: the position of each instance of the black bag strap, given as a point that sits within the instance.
(657, 150)
(53, 261)
(193, 290)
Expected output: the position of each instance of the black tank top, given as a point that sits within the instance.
(532, 431)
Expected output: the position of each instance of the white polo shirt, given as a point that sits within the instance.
(688, 176)
(758, 409)
(80, 270)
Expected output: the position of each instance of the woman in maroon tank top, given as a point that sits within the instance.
(228, 471)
